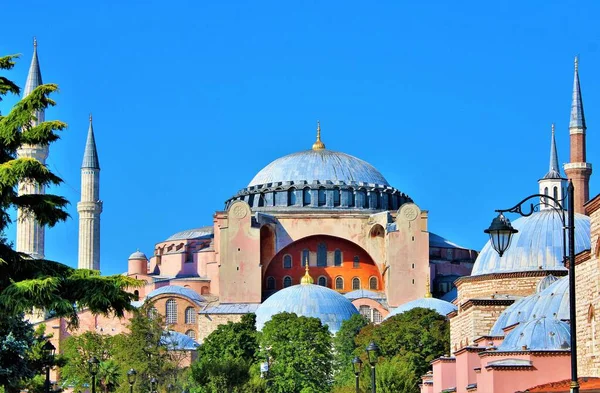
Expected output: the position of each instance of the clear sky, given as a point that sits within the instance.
(451, 101)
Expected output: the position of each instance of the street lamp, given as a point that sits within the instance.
(501, 231)
(93, 366)
(131, 376)
(357, 365)
(170, 387)
(153, 385)
(48, 349)
(372, 355)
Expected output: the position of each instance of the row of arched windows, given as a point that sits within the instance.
(371, 314)
(322, 281)
(171, 313)
(554, 194)
(321, 258)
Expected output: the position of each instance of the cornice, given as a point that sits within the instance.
(497, 276)
(592, 205)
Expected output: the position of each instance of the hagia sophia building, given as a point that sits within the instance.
(323, 234)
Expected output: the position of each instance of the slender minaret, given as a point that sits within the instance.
(578, 170)
(90, 206)
(552, 183)
(30, 235)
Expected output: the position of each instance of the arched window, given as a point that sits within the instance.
(546, 199)
(287, 281)
(377, 200)
(190, 315)
(191, 334)
(292, 196)
(373, 283)
(365, 311)
(261, 200)
(355, 283)
(305, 257)
(306, 196)
(377, 316)
(356, 262)
(270, 283)
(171, 311)
(555, 191)
(322, 197)
(339, 283)
(336, 196)
(351, 197)
(321, 254)
(366, 201)
(337, 258)
(287, 261)
(322, 281)
(136, 293)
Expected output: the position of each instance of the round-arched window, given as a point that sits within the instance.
(190, 315)
(287, 281)
(287, 261)
(171, 311)
(373, 283)
(270, 283)
(339, 283)
(355, 283)
(191, 334)
(322, 281)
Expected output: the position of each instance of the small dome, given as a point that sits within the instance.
(551, 303)
(537, 246)
(440, 306)
(177, 290)
(319, 165)
(196, 233)
(307, 300)
(546, 282)
(363, 293)
(176, 341)
(538, 334)
(138, 255)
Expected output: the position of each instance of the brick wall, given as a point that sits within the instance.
(208, 323)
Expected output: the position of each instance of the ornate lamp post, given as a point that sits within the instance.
(501, 231)
(153, 385)
(357, 365)
(372, 355)
(131, 376)
(48, 349)
(93, 366)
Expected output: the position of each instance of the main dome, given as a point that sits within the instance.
(319, 165)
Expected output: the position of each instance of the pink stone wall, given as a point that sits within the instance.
(444, 374)
(466, 362)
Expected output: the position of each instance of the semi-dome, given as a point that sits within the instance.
(541, 334)
(176, 290)
(190, 234)
(363, 293)
(176, 341)
(537, 246)
(307, 300)
(319, 165)
(440, 306)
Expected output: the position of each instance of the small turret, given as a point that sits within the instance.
(552, 183)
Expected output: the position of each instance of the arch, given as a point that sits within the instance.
(287, 281)
(306, 196)
(322, 254)
(322, 281)
(287, 261)
(377, 317)
(373, 283)
(339, 283)
(337, 257)
(355, 283)
(292, 196)
(270, 283)
(337, 196)
(305, 257)
(191, 334)
(365, 311)
(322, 200)
(190, 315)
(171, 311)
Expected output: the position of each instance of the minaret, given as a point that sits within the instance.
(552, 183)
(90, 206)
(30, 235)
(578, 170)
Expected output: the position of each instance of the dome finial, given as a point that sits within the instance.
(34, 42)
(428, 287)
(576, 63)
(307, 279)
(318, 145)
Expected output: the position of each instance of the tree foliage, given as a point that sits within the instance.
(300, 354)
(27, 283)
(78, 350)
(345, 348)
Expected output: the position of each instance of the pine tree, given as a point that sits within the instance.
(27, 283)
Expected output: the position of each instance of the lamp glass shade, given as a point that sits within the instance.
(49, 348)
(153, 383)
(501, 232)
(94, 365)
(372, 353)
(131, 376)
(357, 365)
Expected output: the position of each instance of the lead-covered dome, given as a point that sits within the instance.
(542, 334)
(321, 166)
(442, 307)
(307, 300)
(537, 246)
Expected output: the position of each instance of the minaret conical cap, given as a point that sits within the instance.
(554, 168)
(90, 155)
(34, 77)
(577, 115)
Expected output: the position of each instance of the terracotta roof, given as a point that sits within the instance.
(587, 384)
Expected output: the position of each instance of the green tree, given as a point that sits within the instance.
(226, 357)
(77, 350)
(27, 283)
(345, 347)
(300, 354)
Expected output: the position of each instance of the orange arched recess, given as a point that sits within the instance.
(331, 260)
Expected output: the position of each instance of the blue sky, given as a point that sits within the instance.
(451, 101)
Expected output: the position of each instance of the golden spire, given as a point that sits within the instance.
(318, 145)
(307, 279)
(428, 287)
